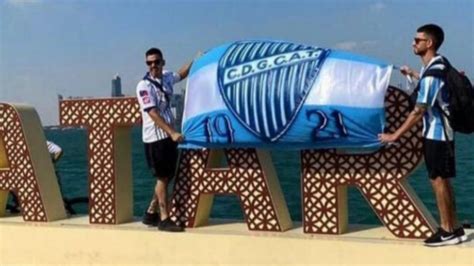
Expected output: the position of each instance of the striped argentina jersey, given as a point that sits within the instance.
(150, 96)
(432, 95)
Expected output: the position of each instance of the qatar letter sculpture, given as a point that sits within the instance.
(270, 93)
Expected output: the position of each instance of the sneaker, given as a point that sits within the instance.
(442, 238)
(169, 226)
(151, 219)
(459, 233)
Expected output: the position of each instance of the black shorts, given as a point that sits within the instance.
(162, 157)
(439, 158)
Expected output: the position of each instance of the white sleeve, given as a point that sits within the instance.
(175, 77)
(53, 148)
(145, 96)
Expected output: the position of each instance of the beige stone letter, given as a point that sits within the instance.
(26, 168)
(108, 123)
(250, 175)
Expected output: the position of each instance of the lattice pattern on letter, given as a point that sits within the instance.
(100, 116)
(379, 176)
(20, 177)
(245, 177)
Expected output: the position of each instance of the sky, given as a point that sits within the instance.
(75, 48)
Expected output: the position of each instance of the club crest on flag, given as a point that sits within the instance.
(265, 83)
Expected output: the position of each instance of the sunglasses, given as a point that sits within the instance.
(418, 40)
(157, 62)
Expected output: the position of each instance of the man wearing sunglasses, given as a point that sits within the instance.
(158, 133)
(438, 136)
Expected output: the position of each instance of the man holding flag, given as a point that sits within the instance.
(438, 135)
(159, 136)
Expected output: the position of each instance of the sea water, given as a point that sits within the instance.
(73, 172)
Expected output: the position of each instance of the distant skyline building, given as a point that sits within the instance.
(116, 86)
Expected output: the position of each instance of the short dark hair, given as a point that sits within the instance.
(154, 51)
(435, 32)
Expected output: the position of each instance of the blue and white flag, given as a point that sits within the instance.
(279, 94)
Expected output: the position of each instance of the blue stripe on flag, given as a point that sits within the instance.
(209, 58)
(360, 130)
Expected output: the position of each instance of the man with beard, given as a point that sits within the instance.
(159, 136)
(438, 137)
